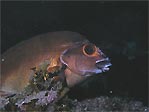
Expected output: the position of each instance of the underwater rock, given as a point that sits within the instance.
(105, 104)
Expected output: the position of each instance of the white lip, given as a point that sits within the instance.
(105, 59)
(106, 66)
(105, 69)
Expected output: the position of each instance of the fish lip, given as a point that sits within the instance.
(106, 67)
(103, 64)
(104, 59)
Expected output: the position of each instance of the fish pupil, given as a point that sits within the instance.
(89, 49)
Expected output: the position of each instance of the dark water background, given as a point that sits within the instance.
(120, 29)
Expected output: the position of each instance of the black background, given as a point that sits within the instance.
(113, 26)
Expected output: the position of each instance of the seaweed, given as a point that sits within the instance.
(41, 91)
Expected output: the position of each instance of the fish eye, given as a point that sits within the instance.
(89, 49)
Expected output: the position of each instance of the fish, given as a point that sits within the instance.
(81, 58)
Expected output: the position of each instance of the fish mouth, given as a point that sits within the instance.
(103, 64)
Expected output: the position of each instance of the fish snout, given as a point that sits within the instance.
(103, 64)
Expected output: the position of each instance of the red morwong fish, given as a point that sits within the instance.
(82, 59)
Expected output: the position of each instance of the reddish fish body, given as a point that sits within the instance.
(18, 60)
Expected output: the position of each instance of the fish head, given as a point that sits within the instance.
(85, 59)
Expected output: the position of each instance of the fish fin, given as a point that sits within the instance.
(53, 69)
(56, 78)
